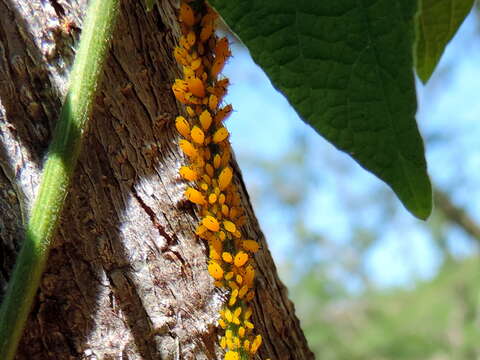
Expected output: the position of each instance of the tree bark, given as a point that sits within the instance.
(127, 278)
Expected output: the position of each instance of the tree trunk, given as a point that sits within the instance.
(127, 278)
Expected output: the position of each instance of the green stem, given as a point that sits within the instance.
(58, 170)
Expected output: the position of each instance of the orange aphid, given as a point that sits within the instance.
(188, 173)
(228, 258)
(212, 102)
(197, 135)
(229, 226)
(250, 245)
(195, 196)
(196, 63)
(182, 126)
(223, 113)
(205, 119)
(217, 66)
(191, 38)
(222, 49)
(225, 178)
(220, 135)
(215, 270)
(196, 87)
(211, 223)
(186, 14)
(188, 148)
(241, 258)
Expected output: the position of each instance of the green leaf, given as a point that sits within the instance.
(346, 66)
(437, 23)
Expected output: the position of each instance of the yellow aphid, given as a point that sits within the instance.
(188, 72)
(188, 148)
(204, 186)
(200, 230)
(230, 227)
(247, 313)
(223, 113)
(213, 102)
(241, 258)
(186, 14)
(215, 248)
(250, 245)
(196, 87)
(246, 345)
(196, 63)
(180, 55)
(229, 275)
(231, 302)
(237, 234)
(222, 235)
(190, 111)
(241, 332)
(205, 119)
(195, 196)
(233, 285)
(248, 324)
(243, 290)
(249, 275)
(197, 135)
(228, 258)
(232, 355)
(188, 173)
(183, 127)
(225, 178)
(180, 93)
(256, 344)
(215, 270)
(211, 223)
(212, 198)
(223, 340)
(239, 279)
(228, 317)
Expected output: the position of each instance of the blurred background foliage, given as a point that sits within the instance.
(368, 280)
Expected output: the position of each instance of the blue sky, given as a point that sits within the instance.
(263, 126)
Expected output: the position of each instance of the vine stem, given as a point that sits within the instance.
(62, 158)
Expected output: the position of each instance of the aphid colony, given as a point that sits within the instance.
(205, 143)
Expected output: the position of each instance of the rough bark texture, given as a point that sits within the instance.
(126, 279)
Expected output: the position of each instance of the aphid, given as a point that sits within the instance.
(215, 270)
(196, 87)
(188, 148)
(220, 135)
(211, 223)
(197, 135)
(180, 55)
(228, 258)
(182, 126)
(195, 196)
(205, 119)
(229, 226)
(250, 245)
(223, 113)
(225, 178)
(217, 66)
(240, 259)
(191, 38)
(187, 15)
(222, 49)
(188, 173)
(213, 102)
